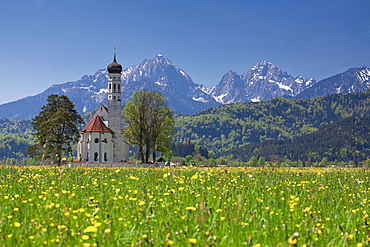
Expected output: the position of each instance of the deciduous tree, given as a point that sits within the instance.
(149, 124)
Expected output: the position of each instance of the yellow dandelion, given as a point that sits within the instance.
(169, 242)
(17, 224)
(192, 240)
(191, 208)
(91, 229)
(108, 230)
(84, 237)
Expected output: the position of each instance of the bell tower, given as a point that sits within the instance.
(120, 149)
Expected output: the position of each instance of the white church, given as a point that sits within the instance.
(101, 140)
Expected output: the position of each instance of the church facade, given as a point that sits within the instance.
(101, 139)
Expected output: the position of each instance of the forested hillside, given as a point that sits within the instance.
(15, 137)
(230, 126)
(344, 140)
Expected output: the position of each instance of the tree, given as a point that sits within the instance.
(56, 129)
(149, 124)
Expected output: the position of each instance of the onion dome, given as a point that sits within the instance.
(114, 67)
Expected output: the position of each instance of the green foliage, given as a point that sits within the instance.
(344, 140)
(230, 126)
(149, 124)
(13, 146)
(56, 128)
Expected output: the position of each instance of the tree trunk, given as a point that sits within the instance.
(141, 154)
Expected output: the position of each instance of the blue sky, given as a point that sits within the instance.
(46, 42)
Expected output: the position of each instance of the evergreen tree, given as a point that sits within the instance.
(55, 129)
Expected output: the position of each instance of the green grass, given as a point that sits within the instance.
(43, 206)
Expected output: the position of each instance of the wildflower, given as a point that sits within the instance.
(17, 224)
(169, 242)
(191, 208)
(84, 237)
(292, 240)
(108, 230)
(192, 240)
(91, 229)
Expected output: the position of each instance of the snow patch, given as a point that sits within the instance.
(182, 72)
(284, 87)
(219, 98)
(256, 99)
(103, 90)
(200, 99)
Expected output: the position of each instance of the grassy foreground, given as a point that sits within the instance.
(43, 206)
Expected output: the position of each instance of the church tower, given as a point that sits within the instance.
(101, 140)
(120, 148)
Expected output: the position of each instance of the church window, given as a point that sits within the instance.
(96, 140)
(114, 87)
(110, 86)
(105, 157)
(87, 156)
(118, 87)
(96, 156)
(114, 97)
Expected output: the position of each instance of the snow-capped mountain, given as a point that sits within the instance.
(262, 82)
(159, 74)
(352, 80)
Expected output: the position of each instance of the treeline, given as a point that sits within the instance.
(230, 126)
(344, 140)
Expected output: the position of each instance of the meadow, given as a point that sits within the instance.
(48, 206)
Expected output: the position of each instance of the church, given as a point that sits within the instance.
(101, 140)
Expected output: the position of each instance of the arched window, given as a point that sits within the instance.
(96, 140)
(96, 156)
(110, 86)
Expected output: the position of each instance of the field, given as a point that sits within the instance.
(44, 206)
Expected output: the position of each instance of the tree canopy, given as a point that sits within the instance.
(55, 128)
(149, 124)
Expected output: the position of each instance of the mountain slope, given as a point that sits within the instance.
(158, 74)
(262, 82)
(344, 140)
(229, 126)
(350, 81)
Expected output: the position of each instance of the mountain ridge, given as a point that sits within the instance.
(262, 82)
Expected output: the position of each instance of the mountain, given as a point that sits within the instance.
(352, 80)
(87, 94)
(262, 82)
(161, 75)
(158, 74)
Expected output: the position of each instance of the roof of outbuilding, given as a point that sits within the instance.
(96, 124)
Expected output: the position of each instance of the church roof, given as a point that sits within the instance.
(96, 124)
(114, 67)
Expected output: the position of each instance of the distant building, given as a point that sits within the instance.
(101, 140)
